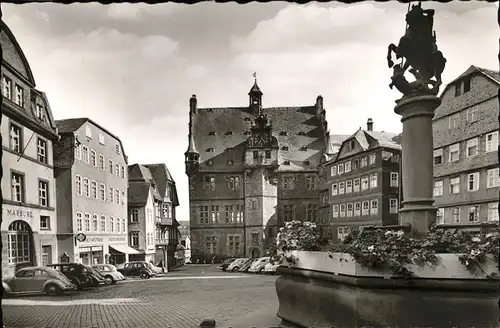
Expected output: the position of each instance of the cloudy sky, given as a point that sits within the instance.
(133, 67)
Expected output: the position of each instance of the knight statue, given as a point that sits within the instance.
(419, 54)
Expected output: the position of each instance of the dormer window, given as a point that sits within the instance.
(284, 148)
(211, 133)
(303, 148)
(462, 86)
(229, 133)
(210, 162)
(307, 163)
(39, 111)
(283, 133)
(210, 150)
(287, 162)
(230, 162)
(352, 144)
(301, 133)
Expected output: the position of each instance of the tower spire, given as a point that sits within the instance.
(255, 97)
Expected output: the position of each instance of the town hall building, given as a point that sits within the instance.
(250, 170)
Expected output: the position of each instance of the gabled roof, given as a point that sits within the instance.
(490, 74)
(71, 125)
(162, 177)
(13, 54)
(138, 193)
(220, 135)
(138, 172)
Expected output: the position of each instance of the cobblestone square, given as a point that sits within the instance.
(182, 298)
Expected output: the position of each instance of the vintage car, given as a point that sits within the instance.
(35, 280)
(109, 272)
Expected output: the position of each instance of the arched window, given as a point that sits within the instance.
(19, 243)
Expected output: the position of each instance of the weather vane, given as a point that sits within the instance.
(419, 54)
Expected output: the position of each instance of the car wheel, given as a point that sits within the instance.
(235, 269)
(53, 290)
(261, 270)
(109, 280)
(77, 283)
(144, 275)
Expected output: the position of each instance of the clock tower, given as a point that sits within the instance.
(255, 96)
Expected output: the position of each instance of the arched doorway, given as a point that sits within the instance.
(20, 246)
(255, 253)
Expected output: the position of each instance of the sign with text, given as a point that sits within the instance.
(99, 240)
(20, 213)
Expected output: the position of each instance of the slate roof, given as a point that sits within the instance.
(231, 124)
(491, 74)
(138, 193)
(138, 172)
(162, 176)
(71, 125)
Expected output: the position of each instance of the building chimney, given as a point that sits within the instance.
(319, 105)
(369, 124)
(193, 104)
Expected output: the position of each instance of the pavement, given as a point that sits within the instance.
(178, 299)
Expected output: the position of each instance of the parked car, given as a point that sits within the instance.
(258, 266)
(79, 274)
(245, 267)
(270, 268)
(97, 277)
(109, 272)
(156, 269)
(223, 266)
(137, 269)
(237, 264)
(34, 280)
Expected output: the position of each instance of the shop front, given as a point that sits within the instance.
(100, 249)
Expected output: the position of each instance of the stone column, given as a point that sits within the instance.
(417, 162)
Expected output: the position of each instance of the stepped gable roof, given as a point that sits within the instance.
(220, 135)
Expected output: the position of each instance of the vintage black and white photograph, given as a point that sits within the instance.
(227, 165)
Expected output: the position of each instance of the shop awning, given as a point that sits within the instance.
(125, 249)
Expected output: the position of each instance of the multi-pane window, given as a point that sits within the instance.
(333, 170)
(87, 222)
(356, 185)
(438, 156)
(355, 164)
(110, 165)
(493, 212)
(123, 197)
(364, 183)
(103, 223)
(472, 114)
(19, 95)
(438, 188)
(214, 213)
(234, 244)
(85, 154)
(86, 187)
(209, 183)
(102, 192)
(43, 193)
(454, 121)
(455, 185)
(341, 187)
(78, 184)
(311, 212)
(211, 244)
(440, 216)
(78, 151)
(41, 148)
(373, 180)
(364, 162)
(342, 210)
(372, 159)
(288, 183)
(310, 182)
(17, 187)
(7, 87)
(472, 147)
(473, 181)
(288, 212)
(16, 138)
(347, 167)
(455, 215)
(349, 209)
(110, 194)
(166, 210)
(117, 196)
(492, 141)
(365, 210)
(342, 232)
(45, 222)
(474, 213)
(341, 169)
(79, 221)
(335, 189)
(117, 170)
(204, 214)
(335, 211)
(357, 209)
(112, 224)
(348, 186)
(394, 179)
(493, 179)
(393, 205)
(117, 149)
(454, 152)
(134, 239)
(93, 189)
(233, 183)
(102, 162)
(18, 247)
(95, 222)
(229, 213)
(88, 131)
(93, 158)
(395, 158)
(122, 172)
(374, 207)
(118, 224)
